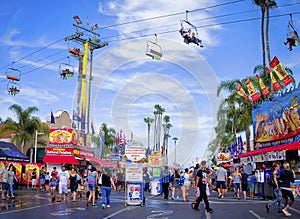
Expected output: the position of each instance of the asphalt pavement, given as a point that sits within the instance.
(29, 204)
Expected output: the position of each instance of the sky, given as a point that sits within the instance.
(126, 83)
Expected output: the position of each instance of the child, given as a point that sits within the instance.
(53, 183)
(252, 184)
(47, 181)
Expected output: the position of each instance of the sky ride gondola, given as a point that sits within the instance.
(66, 70)
(13, 75)
(76, 52)
(154, 50)
(292, 38)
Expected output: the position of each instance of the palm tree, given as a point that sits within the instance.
(269, 4)
(166, 126)
(175, 139)
(25, 125)
(149, 121)
(158, 119)
(110, 138)
(261, 4)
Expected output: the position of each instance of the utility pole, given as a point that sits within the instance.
(35, 145)
(93, 43)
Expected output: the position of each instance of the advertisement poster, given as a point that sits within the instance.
(135, 153)
(61, 136)
(296, 189)
(134, 172)
(277, 122)
(135, 193)
(223, 157)
(154, 160)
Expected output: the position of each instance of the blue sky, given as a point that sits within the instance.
(127, 84)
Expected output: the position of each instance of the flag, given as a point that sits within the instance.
(77, 19)
(242, 93)
(276, 85)
(102, 141)
(87, 21)
(264, 89)
(253, 93)
(52, 119)
(94, 27)
(280, 71)
(92, 127)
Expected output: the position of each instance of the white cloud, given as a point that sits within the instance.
(38, 96)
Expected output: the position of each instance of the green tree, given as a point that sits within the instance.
(175, 139)
(157, 125)
(110, 139)
(25, 126)
(166, 127)
(149, 121)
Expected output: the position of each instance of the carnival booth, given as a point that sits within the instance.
(276, 128)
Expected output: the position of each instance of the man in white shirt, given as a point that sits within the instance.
(221, 181)
(63, 178)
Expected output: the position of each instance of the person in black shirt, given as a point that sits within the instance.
(201, 181)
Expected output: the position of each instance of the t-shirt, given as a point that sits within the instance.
(4, 174)
(33, 175)
(244, 178)
(63, 178)
(91, 178)
(202, 174)
(221, 174)
(11, 177)
(106, 180)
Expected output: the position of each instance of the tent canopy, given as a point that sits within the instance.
(9, 152)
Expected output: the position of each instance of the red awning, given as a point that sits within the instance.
(292, 146)
(60, 159)
(97, 161)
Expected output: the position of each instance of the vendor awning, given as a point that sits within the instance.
(9, 152)
(60, 159)
(292, 146)
(97, 161)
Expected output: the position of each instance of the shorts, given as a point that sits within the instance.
(221, 184)
(186, 186)
(62, 189)
(197, 193)
(251, 187)
(74, 187)
(53, 187)
(34, 182)
(42, 181)
(92, 187)
(244, 187)
(4, 186)
(47, 182)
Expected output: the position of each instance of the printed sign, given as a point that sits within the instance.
(135, 153)
(134, 173)
(61, 136)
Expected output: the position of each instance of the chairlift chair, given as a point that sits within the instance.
(76, 52)
(13, 74)
(154, 50)
(66, 70)
(186, 24)
(13, 88)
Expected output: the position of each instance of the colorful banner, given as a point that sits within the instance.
(277, 122)
(59, 151)
(276, 85)
(61, 136)
(223, 157)
(263, 88)
(281, 72)
(253, 93)
(154, 160)
(242, 93)
(83, 86)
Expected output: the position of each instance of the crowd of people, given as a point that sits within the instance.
(176, 184)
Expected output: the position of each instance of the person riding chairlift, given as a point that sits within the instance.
(14, 90)
(190, 37)
(292, 40)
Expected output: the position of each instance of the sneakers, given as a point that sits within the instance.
(286, 213)
(103, 206)
(177, 197)
(210, 210)
(108, 206)
(220, 195)
(268, 208)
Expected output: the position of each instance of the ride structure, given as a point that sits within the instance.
(292, 37)
(153, 49)
(66, 70)
(13, 75)
(186, 24)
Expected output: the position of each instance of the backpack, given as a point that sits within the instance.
(181, 181)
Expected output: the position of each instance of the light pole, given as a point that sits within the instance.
(175, 139)
(35, 144)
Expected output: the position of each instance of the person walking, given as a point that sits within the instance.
(73, 183)
(236, 180)
(63, 178)
(221, 176)
(186, 185)
(252, 183)
(4, 179)
(201, 181)
(33, 179)
(42, 179)
(10, 181)
(166, 181)
(287, 177)
(107, 184)
(175, 185)
(53, 182)
(91, 182)
(276, 189)
(244, 182)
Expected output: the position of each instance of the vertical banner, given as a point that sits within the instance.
(253, 93)
(264, 89)
(281, 72)
(276, 85)
(83, 86)
(242, 93)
